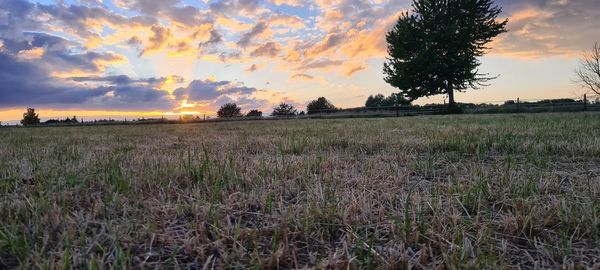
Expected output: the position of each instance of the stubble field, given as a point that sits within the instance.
(446, 192)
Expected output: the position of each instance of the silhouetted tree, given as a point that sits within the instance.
(435, 49)
(380, 100)
(30, 117)
(254, 113)
(229, 110)
(284, 109)
(375, 101)
(318, 105)
(588, 73)
(396, 100)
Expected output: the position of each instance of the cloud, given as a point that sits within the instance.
(353, 69)
(331, 41)
(214, 38)
(543, 28)
(248, 37)
(151, 7)
(86, 21)
(294, 3)
(207, 90)
(302, 76)
(285, 20)
(234, 7)
(269, 49)
(319, 63)
(158, 40)
(252, 68)
(26, 84)
(77, 50)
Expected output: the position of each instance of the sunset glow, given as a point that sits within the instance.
(147, 58)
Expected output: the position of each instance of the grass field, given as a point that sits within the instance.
(471, 191)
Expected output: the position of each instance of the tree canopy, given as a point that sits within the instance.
(435, 48)
(318, 105)
(229, 110)
(380, 100)
(284, 109)
(30, 117)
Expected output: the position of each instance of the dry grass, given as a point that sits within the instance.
(421, 192)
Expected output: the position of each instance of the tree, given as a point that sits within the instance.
(229, 110)
(30, 117)
(380, 100)
(588, 73)
(375, 101)
(254, 113)
(318, 105)
(435, 49)
(284, 109)
(396, 99)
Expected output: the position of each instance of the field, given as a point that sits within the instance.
(470, 191)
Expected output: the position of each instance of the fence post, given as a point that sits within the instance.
(584, 102)
(397, 110)
(518, 103)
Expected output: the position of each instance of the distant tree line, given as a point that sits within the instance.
(231, 110)
(63, 121)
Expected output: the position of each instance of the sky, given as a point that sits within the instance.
(149, 58)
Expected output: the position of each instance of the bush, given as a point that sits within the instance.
(254, 113)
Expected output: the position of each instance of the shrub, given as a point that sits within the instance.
(254, 113)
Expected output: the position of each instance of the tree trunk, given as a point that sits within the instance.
(451, 103)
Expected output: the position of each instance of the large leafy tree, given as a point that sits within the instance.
(435, 49)
(318, 105)
(229, 110)
(30, 117)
